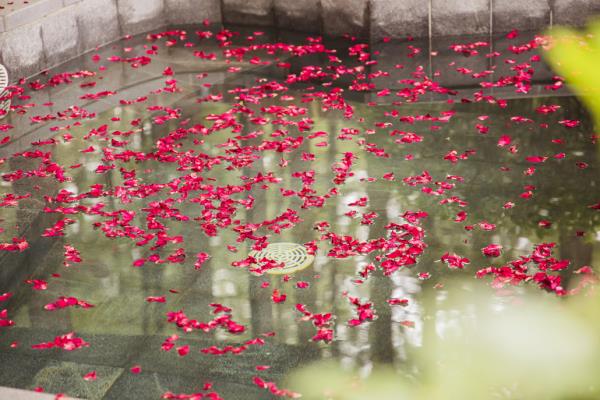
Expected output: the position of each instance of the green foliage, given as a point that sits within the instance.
(576, 56)
(527, 347)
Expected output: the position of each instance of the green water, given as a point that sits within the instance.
(123, 329)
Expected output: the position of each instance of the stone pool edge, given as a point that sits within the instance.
(59, 30)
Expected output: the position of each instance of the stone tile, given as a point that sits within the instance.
(502, 68)
(237, 368)
(31, 13)
(12, 6)
(109, 350)
(181, 61)
(23, 127)
(152, 385)
(458, 94)
(99, 22)
(574, 12)
(2, 25)
(17, 370)
(257, 12)
(299, 62)
(85, 61)
(193, 11)
(14, 270)
(67, 377)
(399, 19)
(348, 17)
(303, 16)
(446, 61)
(392, 57)
(459, 17)
(64, 97)
(22, 57)
(18, 394)
(195, 364)
(137, 16)
(60, 35)
(523, 15)
(537, 90)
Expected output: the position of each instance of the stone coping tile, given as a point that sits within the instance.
(399, 19)
(522, 15)
(574, 12)
(256, 12)
(8, 7)
(28, 13)
(67, 377)
(458, 17)
(19, 394)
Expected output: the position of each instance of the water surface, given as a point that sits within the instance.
(124, 329)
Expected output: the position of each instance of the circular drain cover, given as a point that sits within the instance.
(293, 255)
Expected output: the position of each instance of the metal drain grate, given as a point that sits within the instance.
(293, 255)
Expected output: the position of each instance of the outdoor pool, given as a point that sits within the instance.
(137, 179)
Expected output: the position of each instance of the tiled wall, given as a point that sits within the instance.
(42, 33)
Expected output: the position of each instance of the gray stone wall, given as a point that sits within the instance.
(44, 33)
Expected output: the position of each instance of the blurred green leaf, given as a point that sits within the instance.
(575, 55)
(526, 347)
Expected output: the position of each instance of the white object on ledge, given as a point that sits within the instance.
(4, 104)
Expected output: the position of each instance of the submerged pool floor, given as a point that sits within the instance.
(137, 179)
